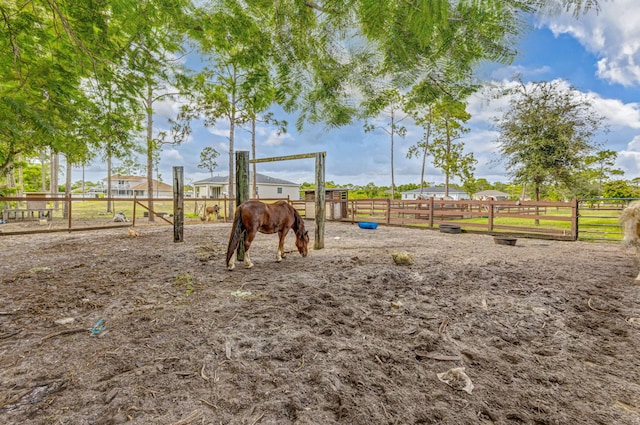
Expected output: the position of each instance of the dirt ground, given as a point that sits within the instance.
(546, 332)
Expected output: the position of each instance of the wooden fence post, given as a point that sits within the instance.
(68, 212)
(574, 219)
(490, 216)
(318, 240)
(242, 189)
(388, 211)
(178, 204)
(431, 206)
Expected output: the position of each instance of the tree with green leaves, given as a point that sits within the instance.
(208, 159)
(619, 189)
(423, 116)
(601, 167)
(389, 106)
(449, 116)
(547, 133)
(237, 84)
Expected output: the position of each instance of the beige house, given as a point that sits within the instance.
(267, 187)
(127, 186)
(496, 195)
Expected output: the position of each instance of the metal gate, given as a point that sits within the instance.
(598, 219)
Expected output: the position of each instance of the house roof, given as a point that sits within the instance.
(162, 186)
(260, 179)
(120, 177)
(142, 182)
(330, 189)
(435, 190)
(491, 193)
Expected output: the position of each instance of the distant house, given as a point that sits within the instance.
(127, 186)
(435, 192)
(495, 195)
(267, 187)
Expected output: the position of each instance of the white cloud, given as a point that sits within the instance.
(616, 112)
(275, 139)
(172, 155)
(508, 72)
(629, 158)
(613, 34)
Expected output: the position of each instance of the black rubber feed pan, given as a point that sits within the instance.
(505, 240)
(449, 228)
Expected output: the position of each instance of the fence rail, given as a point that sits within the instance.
(587, 219)
(527, 218)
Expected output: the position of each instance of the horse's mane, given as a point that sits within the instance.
(629, 219)
(298, 224)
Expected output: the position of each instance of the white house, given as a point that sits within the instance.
(435, 192)
(127, 186)
(267, 187)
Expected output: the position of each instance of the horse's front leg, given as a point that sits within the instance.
(280, 254)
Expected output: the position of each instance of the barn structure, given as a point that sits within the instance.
(336, 199)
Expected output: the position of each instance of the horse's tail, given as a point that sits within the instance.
(236, 232)
(630, 219)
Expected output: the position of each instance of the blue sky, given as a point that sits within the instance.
(598, 54)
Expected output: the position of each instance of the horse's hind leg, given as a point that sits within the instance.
(232, 262)
(247, 244)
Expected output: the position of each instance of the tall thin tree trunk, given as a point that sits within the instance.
(109, 165)
(20, 177)
(43, 172)
(446, 174)
(393, 181)
(232, 179)
(254, 177)
(427, 136)
(150, 149)
(67, 188)
(53, 178)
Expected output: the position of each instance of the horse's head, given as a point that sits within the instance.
(302, 241)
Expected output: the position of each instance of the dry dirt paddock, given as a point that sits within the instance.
(543, 332)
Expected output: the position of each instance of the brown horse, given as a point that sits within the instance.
(211, 209)
(255, 216)
(630, 221)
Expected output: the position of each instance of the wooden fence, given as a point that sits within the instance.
(543, 219)
(585, 219)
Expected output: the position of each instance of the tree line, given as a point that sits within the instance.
(84, 80)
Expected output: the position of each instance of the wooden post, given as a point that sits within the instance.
(133, 219)
(574, 219)
(490, 216)
(178, 204)
(68, 211)
(318, 242)
(388, 211)
(242, 189)
(224, 197)
(431, 212)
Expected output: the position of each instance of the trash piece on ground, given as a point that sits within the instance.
(456, 378)
(98, 327)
